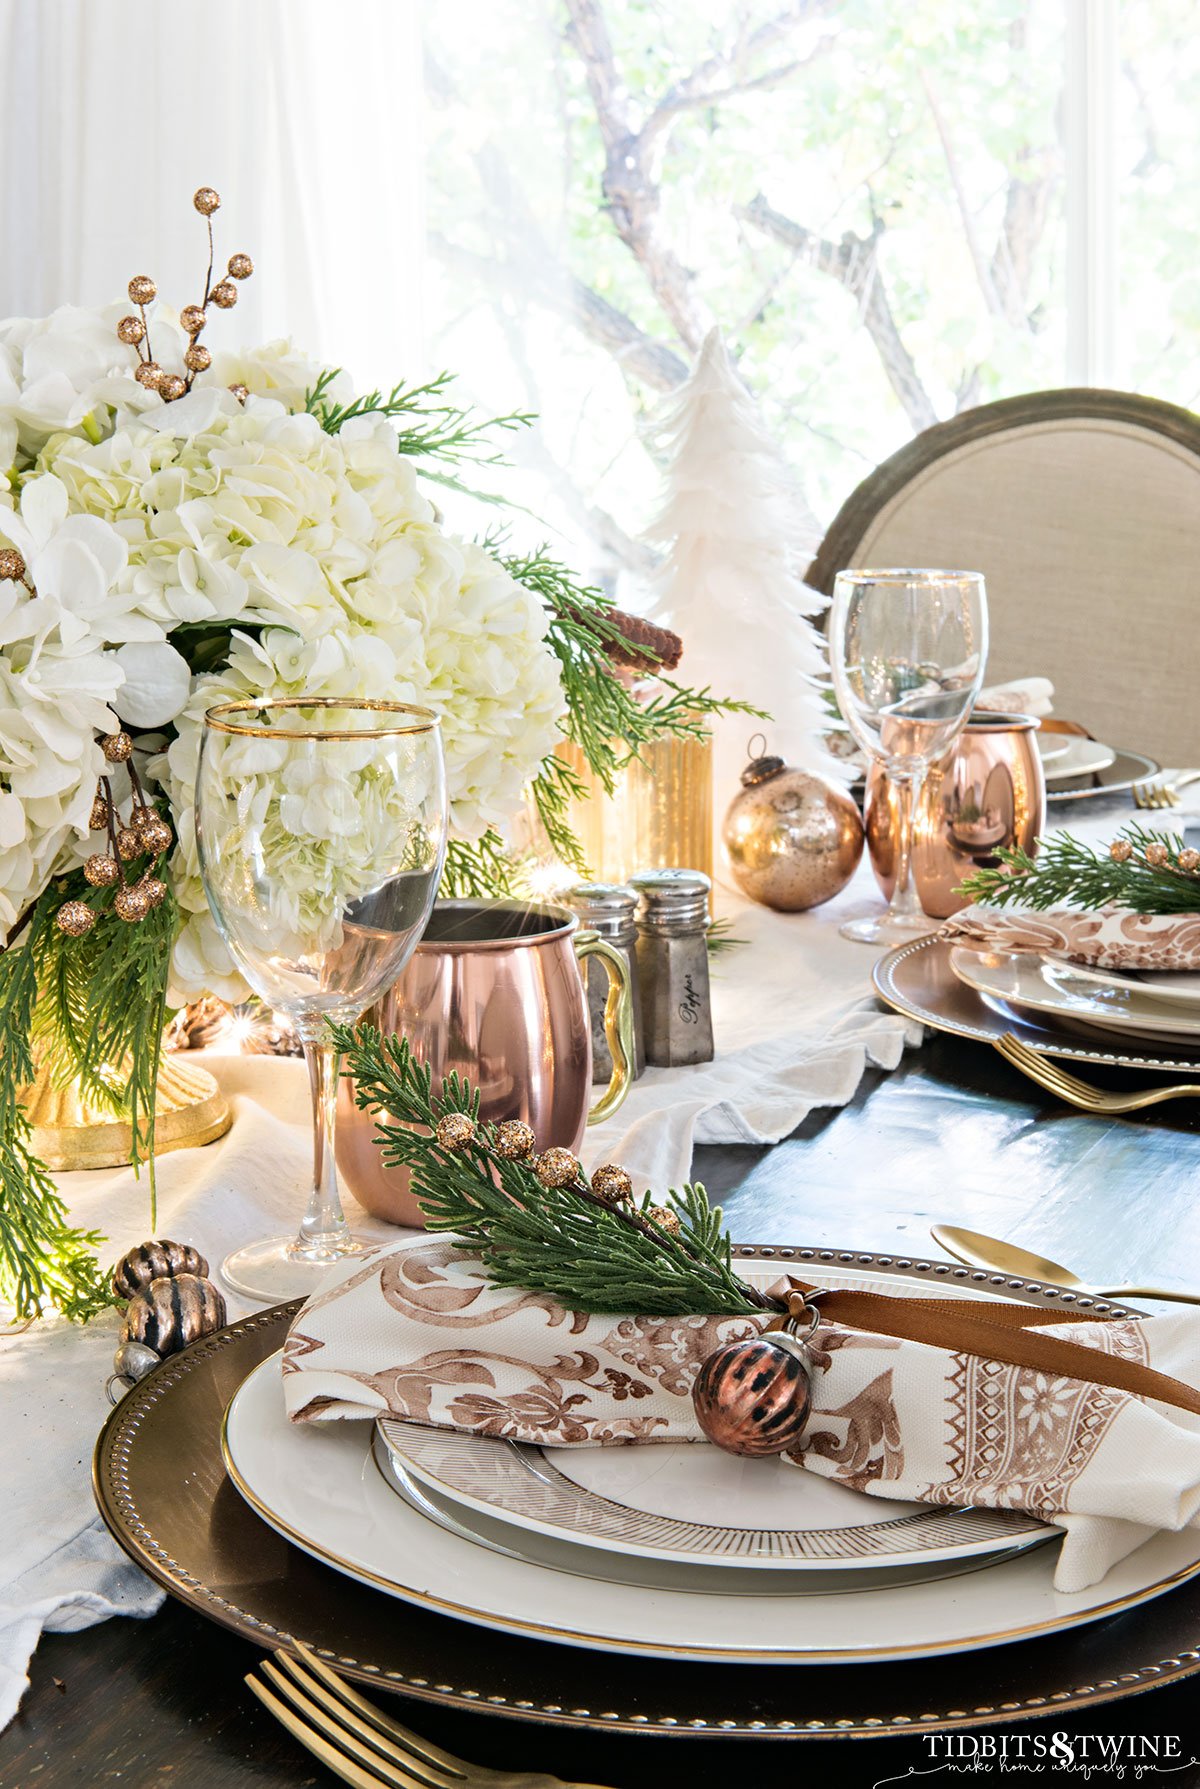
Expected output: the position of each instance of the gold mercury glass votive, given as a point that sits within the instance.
(659, 816)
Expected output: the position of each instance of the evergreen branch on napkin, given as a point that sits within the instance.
(1147, 872)
(564, 1240)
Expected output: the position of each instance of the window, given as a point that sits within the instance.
(893, 213)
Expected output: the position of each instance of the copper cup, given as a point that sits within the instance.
(987, 795)
(493, 992)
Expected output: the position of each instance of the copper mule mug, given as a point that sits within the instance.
(493, 991)
(986, 795)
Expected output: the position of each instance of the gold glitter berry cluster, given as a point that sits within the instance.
(513, 1141)
(135, 331)
(145, 834)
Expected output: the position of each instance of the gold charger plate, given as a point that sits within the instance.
(162, 1489)
(917, 980)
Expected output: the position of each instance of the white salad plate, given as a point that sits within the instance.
(1039, 988)
(1169, 985)
(1052, 745)
(660, 1574)
(688, 1504)
(318, 1486)
(1079, 756)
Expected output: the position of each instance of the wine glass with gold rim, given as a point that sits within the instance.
(321, 828)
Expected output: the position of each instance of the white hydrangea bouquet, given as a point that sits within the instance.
(181, 527)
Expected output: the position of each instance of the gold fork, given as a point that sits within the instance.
(1079, 1093)
(364, 1746)
(1164, 794)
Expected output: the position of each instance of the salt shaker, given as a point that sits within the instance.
(608, 909)
(672, 958)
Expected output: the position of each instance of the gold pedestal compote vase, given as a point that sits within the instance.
(70, 1129)
(321, 827)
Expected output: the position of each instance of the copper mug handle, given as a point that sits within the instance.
(618, 1021)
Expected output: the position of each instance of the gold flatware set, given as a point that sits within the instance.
(361, 1744)
(1048, 1075)
(977, 1250)
(1162, 792)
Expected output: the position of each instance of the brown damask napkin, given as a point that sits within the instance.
(416, 1330)
(1108, 937)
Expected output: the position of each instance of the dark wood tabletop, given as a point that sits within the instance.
(954, 1134)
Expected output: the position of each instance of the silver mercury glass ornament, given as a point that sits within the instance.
(608, 908)
(672, 958)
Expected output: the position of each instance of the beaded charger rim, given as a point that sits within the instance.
(412, 1658)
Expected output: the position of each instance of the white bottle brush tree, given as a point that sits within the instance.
(738, 538)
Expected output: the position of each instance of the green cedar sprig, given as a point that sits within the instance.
(1068, 871)
(44, 1261)
(561, 1240)
(428, 426)
(604, 719)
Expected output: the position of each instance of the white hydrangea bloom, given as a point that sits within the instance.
(58, 687)
(317, 554)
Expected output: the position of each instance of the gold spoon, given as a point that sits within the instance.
(1005, 1257)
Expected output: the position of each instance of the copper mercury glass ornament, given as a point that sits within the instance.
(752, 1397)
(792, 839)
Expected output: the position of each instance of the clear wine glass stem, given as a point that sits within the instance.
(904, 903)
(324, 1234)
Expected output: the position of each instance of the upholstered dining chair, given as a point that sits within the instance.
(1082, 509)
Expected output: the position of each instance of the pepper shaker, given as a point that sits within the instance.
(672, 958)
(608, 908)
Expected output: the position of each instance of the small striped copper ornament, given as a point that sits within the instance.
(158, 1259)
(168, 1313)
(752, 1397)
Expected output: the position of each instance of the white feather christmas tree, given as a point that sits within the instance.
(738, 536)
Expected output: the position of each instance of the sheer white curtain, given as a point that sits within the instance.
(304, 114)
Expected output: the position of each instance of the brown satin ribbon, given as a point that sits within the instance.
(1004, 1332)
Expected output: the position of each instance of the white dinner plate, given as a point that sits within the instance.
(1081, 757)
(659, 1574)
(318, 1486)
(1033, 986)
